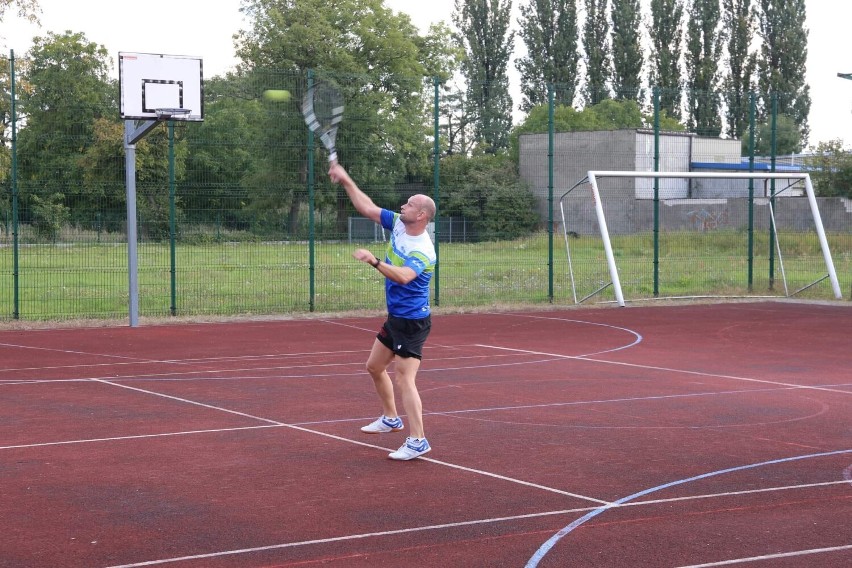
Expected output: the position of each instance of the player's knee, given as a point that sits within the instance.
(374, 369)
(404, 380)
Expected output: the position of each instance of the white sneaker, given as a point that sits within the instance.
(383, 424)
(412, 448)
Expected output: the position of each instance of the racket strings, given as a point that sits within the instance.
(323, 108)
(323, 111)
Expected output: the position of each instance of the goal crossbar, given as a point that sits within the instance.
(594, 175)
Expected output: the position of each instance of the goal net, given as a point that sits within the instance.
(644, 235)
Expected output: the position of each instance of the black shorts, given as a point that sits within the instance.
(405, 337)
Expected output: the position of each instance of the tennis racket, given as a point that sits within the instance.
(323, 111)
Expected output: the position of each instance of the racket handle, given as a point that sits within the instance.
(332, 158)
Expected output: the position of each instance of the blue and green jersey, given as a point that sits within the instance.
(410, 301)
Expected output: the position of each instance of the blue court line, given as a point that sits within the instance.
(545, 548)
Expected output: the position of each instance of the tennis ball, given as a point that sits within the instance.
(276, 95)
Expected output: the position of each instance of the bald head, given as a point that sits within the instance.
(425, 204)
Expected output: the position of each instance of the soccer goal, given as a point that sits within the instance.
(649, 235)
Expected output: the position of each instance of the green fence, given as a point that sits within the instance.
(237, 216)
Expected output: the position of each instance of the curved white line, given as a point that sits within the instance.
(636, 334)
(548, 545)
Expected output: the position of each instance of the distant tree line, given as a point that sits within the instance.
(714, 67)
(705, 59)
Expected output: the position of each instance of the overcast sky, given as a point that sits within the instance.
(205, 28)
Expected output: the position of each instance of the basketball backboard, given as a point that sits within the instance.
(151, 82)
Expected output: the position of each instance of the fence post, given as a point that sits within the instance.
(16, 314)
(172, 220)
(437, 184)
(772, 192)
(751, 117)
(656, 192)
(311, 235)
(550, 128)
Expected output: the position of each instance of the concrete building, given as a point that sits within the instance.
(698, 204)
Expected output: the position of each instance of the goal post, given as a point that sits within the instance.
(681, 210)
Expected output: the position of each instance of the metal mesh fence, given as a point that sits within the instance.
(237, 216)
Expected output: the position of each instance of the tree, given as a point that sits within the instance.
(627, 56)
(549, 30)
(229, 150)
(703, 57)
(487, 41)
(69, 90)
(783, 60)
(27, 9)
(596, 48)
(666, 38)
(787, 137)
(102, 203)
(739, 19)
(380, 62)
(831, 169)
(457, 132)
(606, 115)
(49, 215)
(102, 166)
(489, 192)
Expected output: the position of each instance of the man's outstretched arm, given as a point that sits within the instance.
(362, 202)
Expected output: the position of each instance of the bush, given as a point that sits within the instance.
(831, 170)
(49, 216)
(487, 190)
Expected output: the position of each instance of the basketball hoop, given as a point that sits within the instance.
(172, 113)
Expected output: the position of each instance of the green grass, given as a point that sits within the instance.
(90, 280)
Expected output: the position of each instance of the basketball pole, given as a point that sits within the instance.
(132, 134)
(130, 169)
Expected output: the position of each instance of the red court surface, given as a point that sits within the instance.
(690, 435)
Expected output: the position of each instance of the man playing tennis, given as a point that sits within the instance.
(407, 267)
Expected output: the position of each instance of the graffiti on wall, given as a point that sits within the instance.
(704, 220)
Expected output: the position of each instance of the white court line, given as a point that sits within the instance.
(425, 528)
(136, 437)
(69, 351)
(192, 375)
(729, 494)
(190, 361)
(771, 556)
(351, 326)
(605, 401)
(39, 381)
(181, 375)
(174, 362)
(667, 369)
(636, 341)
(222, 553)
(359, 443)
